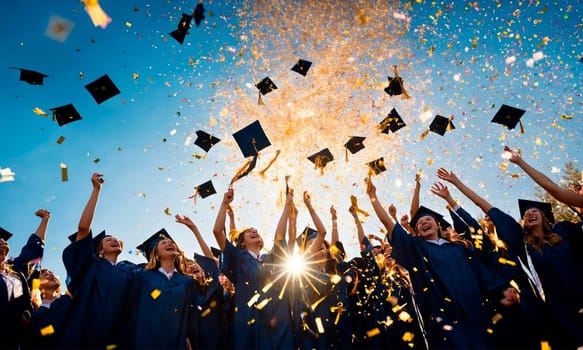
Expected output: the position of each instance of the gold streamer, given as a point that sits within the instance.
(354, 203)
(406, 95)
(262, 172)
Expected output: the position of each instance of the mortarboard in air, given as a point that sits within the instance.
(205, 140)
(198, 13)
(307, 234)
(148, 245)
(377, 166)
(182, 29)
(30, 76)
(440, 125)
(424, 211)
(302, 67)
(396, 87)
(5, 235)
(321, 158)
(266, 86)
(509, 116)
(355, 144)
(102, 89)
(65, 114)
(97, 240)
(392, 122)
(59, 28)
(545, 208)
(206, 189)
(251, 139)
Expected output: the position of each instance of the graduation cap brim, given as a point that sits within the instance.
(30, 76)
(393, 122)
(198, 14)
(148, 245)
(302, 67)
(424, 211)
(251, 139)
(508, 116)
(205, 141)
(97, 240)
(182, 29)
(5, 235)
(377, 166)
(206, 189)
(321, 158)
(266, 86)
(208, 265)
(216, 252)
(355, 144)
(545, 208)
(307, 234)
(395, 87)
(440, 125)
(102, 89)
(65, 114)
(459, 224)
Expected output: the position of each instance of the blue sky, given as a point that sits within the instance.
(456, 59)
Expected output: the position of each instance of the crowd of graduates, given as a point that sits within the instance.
(494, 283)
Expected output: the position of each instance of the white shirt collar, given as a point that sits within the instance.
(439, 241)
(255, 256)
(167, 274)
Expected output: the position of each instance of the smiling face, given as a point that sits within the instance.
(48, 280)
(110, 245)
(167, 249)
(4, 249)
(252, 239)
(427, 228)
(532, 218)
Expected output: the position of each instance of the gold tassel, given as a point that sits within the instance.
(260, 101)
(424, 134)
(262, 172)
(254, 144)
(194, 195)
(449, 125)
(319, 164)
(521, 126)
(406, 95)
(244, 170)
(354, 203)
(346, 154)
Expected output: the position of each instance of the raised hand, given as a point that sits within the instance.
(333, 212)
(43, 214)
(513, 157)
(229, 196)
(446, 175)
(371, 189)
(97, 180)
(441, 190)
(393, 211)
(185, 220)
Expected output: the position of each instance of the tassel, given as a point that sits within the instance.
(244, 170)
(346, 154)
(406, 95)
(254, 144)
(521, 126)
(354, 203)
(449, 126)
(262, 172)
(424, 134)
(96, 13)
(194, 195)
(260, 101)
(319, 164)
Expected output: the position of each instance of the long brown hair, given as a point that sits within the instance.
(549, 237)
(154, 262)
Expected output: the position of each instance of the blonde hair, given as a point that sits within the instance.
(154, 262)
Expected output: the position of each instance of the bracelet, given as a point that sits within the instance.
(334, 222)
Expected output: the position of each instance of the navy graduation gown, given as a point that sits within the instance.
(160, 309)
(100, 292)
(32, 251)
(44, 317)
(13, 311)
(450, 282)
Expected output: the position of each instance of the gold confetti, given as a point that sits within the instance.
(408, 336)
(262, 304)
(205, 312)
(319, 325)
(40, 112)
(253, 300)
(60, 139)
(371, 333)
(111, 346)
(48, 330)
(64, 173)
(167, 211)
(155, 294)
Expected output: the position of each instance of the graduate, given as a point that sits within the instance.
(549, 253)
(448, 281)
(99, 284)
(161, 299)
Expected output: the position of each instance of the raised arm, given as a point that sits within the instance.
(317, 244)
(359, 229)
(231, 214)
(87, 216)
(561, 194)
(442, 191)
(292, 227)
(280, 228)
(335, 236)
(45, 217)
(450, 177)
(186, 221)
(383, 216)
(219, 227)
(415, 199)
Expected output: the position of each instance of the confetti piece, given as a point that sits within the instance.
(111, 346)
(408, 336)
(96, 13)
(40, 112)
(155, 294)
(6, 175)
(64, 173)
(371, 333)
(60, 140)
(319, 325)
(167, 211)
(48, 330)
(253, 300)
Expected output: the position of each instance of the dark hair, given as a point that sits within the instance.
(549, 237)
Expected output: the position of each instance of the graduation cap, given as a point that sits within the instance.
(355, 144)
(97, 240)
(59, 28)
(198, 13)
(321, 158)
(509, 116)
(216, 252)
(441, 124)
(148, 245)
(251, 139)
(182, 29)
(377, 166)
(396, 87)
(459, 225)
(265, 86)
(302, 67)
(392, 122)
(206, 189)
(65, 114)
(205, 140)
(424, 211)
(30, 76)
(102, 89)
(5, 235)
(307, 234)
(208, 265)
(545, 208)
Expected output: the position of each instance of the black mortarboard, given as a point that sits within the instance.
(65, 114)
(321, 158)
(441, 124)
(5, 235)
(395, 87)
(206, 189)
(148, 245)
(208, 265)
(72, 238)
(251, 139)
(205, 140)
(30, 76)
(180, 33)
(355, 144)
(459, 224)
(424, 211)
(216, 252)
(508, 116)
(392, 122)
(102, 89)
(198, 13)
(543, 207)
(377, 166)
(307, 234)
(302, 67)
(97, 240)
(266, 86)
